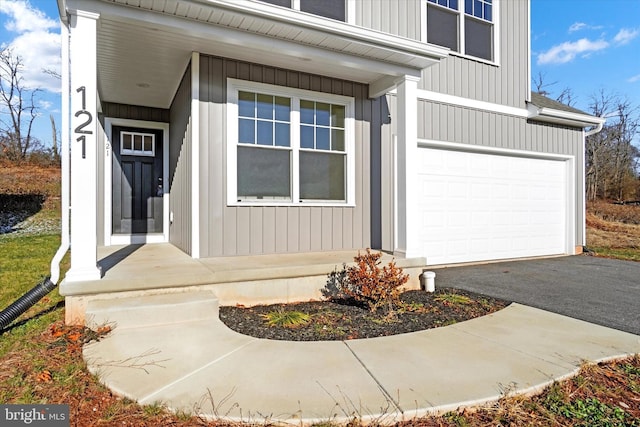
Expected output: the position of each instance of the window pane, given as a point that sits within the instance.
(322, 113)
(468, 7)
(337, 116)
(322, 176)
(246, 131)
(283, 109)
(442, 27)
(487, 12)
(334, 9)
(265, 133)
(137, 142)
(285, 3)
(282, 135)
(337, 140)
(263, 172)
(148, 143)
(479, 38)
(322, 139)
(246, 104)
(126, 141)
(307, 112)
(477, 8)
(306, 136)
(265, 106)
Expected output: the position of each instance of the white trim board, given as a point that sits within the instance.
(109, 238)
(570, 200)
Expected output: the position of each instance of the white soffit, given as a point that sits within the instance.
(144, 45)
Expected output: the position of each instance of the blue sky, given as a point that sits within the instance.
(588, 46)
(585, 45)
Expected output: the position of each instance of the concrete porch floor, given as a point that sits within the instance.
(134, 270)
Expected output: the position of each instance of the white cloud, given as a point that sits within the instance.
(35, 43)
(567, 51)
(577, 26)
(625, 35)
(634, 79)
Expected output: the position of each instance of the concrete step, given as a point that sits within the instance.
(150, 310)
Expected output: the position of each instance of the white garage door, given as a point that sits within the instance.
(477, 207)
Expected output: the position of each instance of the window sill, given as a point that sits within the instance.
(474, 58)
(262, 203)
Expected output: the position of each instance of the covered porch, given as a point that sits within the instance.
(154, 269)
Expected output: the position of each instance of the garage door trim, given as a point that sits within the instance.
(570, 199)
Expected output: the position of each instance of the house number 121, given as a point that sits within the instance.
(88, 118)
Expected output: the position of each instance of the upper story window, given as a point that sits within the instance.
(334, 9)
(289, 146)
(464, 26)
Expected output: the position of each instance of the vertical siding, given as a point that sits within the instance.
(100, 138)
(135, 112)
(502, 131)
(505, 83)
(180, 165)
(243, 230)
(398, 17)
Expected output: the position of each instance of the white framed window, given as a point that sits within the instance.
(137, 144)
(468, 27)
(333, 9)
(289, 146)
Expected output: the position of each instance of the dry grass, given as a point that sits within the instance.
(614, 230)
(41, 360)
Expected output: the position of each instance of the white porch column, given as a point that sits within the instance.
(407, 167)
(83, 142)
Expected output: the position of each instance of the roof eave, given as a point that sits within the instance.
(566, 118)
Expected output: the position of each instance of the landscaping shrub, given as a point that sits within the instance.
(367, 282)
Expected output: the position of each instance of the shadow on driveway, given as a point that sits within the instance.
(597, 290)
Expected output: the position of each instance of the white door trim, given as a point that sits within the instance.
(109, 238)
(570, 199)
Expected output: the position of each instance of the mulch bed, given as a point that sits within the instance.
(345, 320)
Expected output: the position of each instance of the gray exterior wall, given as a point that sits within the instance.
(398, 17)
(442, 122)
(180, 165)
(505, 83)
(244, 230)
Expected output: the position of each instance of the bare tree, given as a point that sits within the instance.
(18, 108)
(541, 85)
(567, 97)
(611, 157)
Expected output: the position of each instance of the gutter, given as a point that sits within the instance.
(567, 118)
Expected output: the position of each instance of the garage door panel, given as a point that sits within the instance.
(477, 207)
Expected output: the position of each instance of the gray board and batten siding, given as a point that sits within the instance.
(251, 230)
(180, 166)
(504, 82)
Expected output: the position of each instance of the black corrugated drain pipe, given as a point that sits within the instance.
(25, 302)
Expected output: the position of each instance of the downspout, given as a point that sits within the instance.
(34, 295)
(593, 131)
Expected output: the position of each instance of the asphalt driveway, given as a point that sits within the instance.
(598, 290)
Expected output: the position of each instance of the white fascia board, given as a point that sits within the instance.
(460, 101)
(567, 118)
(359, 35)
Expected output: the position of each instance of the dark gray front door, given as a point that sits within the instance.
(137, 180)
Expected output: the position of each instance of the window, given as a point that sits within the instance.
(465, 26)
(137, 144)
(288, 146)
(334, 9)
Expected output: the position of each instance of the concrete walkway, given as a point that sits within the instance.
(202, 367)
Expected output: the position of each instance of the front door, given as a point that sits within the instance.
(137, 181)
